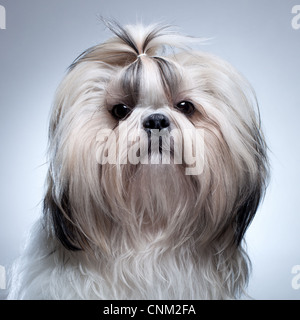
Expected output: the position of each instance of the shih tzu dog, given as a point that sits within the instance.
(157, 165)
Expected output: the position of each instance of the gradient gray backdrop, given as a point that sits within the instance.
(41, 39)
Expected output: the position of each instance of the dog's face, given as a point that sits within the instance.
(146, 147)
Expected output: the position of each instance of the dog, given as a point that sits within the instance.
(157, 165)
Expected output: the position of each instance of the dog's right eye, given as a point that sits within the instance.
(120, 111)
(186, 107)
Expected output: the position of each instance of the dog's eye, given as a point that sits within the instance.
(185, 107)
(120, 111)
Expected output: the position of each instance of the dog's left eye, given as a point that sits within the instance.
(185, 107)
(120, 111)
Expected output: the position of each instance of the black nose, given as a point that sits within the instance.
(156, 121)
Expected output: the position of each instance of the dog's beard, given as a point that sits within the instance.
(145, 180)
(152, 197)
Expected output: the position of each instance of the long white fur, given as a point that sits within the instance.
(146, 231)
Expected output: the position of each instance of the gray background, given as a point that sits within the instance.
(43, 37)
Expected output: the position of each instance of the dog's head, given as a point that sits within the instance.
(144, 144)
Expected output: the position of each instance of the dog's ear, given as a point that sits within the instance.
(63, 228)
(245, 215)
(59, 215)
(255, 187)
